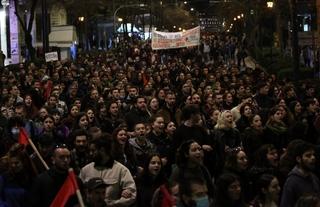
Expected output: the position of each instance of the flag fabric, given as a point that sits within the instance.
(23, 137)
(167, 200)
(69, 188)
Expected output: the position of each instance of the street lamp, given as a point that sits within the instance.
(270, 4)
(81, 19)
(121, 7)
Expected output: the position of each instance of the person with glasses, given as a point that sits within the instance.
(46, 185)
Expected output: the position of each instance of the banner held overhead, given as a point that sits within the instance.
(170, 40)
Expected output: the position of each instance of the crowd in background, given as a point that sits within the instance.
(181, 127)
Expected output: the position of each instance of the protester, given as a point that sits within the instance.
(152, 101)
(122, 188)
(301, 180)
(46, 185)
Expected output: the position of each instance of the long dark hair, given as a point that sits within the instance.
(117, 149)
(183, 151)
(147, 177)
(263, 183)
(222, 198)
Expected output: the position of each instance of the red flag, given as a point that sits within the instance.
(23, 137)
(167, 200)
(69, 187)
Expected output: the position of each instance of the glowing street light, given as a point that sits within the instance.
(120, 19)
(81, 19)
(270, 4)
(192, 9)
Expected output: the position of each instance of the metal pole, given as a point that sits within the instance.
(295, 40)
(45, 40)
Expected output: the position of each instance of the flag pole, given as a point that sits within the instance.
(80, 199)
(38, 154)
(78, 193)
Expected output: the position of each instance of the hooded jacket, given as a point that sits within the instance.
(297, 185)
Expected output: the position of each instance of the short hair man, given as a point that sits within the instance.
(301, 179)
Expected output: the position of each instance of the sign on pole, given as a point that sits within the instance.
(170, 40)
(51, 56)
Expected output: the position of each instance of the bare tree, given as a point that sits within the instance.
(27, 24)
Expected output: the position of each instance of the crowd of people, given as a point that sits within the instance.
(182, 127)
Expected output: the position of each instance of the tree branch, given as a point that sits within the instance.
(32, 13)
(18, 16)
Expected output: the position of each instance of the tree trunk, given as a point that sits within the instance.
(29, 46)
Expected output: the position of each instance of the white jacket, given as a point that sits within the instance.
(118, 178)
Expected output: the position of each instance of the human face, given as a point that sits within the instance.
(234, 191)
(56, 117)
(83, 122)
(140, 130)
(94, 94)
(61, 159)
(133, 92)
(307, 162)
(43, 112)
(141, 104)
(219, 99)
(15, 165)
(28, 101)
(158, 125)
(242, 160)
(282, 102)
(52, 101)
(81, 143)
(273, 190)
(161, 95)
(277, 117)
(170, 100)
(298, 108)
(19, 112)
(229, 98)
(196, 119)
(48, 124)
(272, 157)
(114, 109)
(215, 116)
(195, 153)
(78, 103)
(154, 104)
(264, 90)
(171, 128)
(122, 137)
(154, 166)
(90, 115)
(196, 99)
(256, 122)
(74, 111)
(198, 191)
(15, 91)
(247, 111)
(312, 107)
(115, 94)
(228, 119)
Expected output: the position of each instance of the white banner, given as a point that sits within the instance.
(51, 56)
(169, 40)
